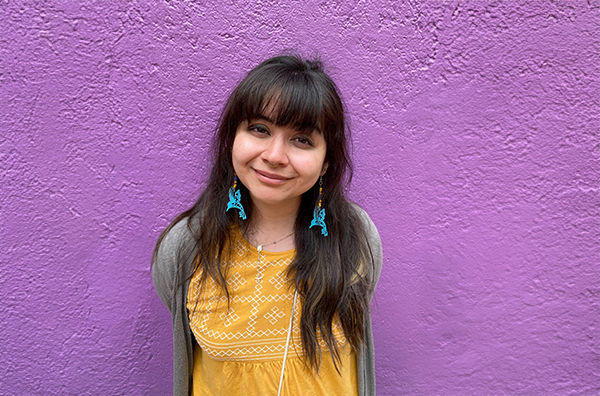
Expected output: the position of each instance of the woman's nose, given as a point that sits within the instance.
(275, 152)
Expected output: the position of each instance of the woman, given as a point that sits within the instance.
(268, 277)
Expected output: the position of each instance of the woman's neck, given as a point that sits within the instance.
(270, 224)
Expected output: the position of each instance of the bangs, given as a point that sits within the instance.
(291, 101)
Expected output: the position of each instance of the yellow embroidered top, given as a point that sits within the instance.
(241, 347)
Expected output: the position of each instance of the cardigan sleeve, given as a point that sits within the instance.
(170, 271)
(374, 242)
(166, 271)
(366, 354)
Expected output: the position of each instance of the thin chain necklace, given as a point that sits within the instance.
(259, 249)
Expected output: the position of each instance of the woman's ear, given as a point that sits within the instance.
(324, 169)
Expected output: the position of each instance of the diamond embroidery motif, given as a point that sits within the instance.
(236, 281)
(274, 315)
(228, 318)
(240, 247)
(278, 280)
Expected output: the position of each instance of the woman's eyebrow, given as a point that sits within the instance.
(261, 117)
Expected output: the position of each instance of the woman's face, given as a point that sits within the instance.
(277, 164)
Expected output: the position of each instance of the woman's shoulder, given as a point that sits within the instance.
(366, 221)
(178, 240)
(177, 236)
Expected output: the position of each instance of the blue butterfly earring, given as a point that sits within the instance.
(319, 213)
(235, 199)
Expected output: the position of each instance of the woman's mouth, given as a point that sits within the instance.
(270, 178)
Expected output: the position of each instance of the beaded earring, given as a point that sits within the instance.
(319, 213)
(235, 199)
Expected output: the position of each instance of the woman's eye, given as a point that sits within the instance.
(304, 141)
(258, 129)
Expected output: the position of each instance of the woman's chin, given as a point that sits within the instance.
(269, 201)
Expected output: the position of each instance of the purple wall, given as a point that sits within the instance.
(477, 156)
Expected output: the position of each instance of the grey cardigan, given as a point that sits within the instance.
(168, 275)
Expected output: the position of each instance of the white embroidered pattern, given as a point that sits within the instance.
(279, 280)
(274, 314)
(229, 317)
(225, 335)
(236, 281)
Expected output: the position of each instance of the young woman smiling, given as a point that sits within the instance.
(269, 275)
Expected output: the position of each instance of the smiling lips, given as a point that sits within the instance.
(270, 178)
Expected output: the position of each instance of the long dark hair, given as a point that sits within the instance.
(330, 273)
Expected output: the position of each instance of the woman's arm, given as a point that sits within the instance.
(374, 242)
(166, 265)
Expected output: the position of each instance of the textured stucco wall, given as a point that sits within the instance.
(477, 155)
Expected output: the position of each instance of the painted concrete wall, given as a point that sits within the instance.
(477, 156)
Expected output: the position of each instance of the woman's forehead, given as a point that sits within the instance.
(298, 116)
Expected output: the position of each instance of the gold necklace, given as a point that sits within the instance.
(259, 249)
